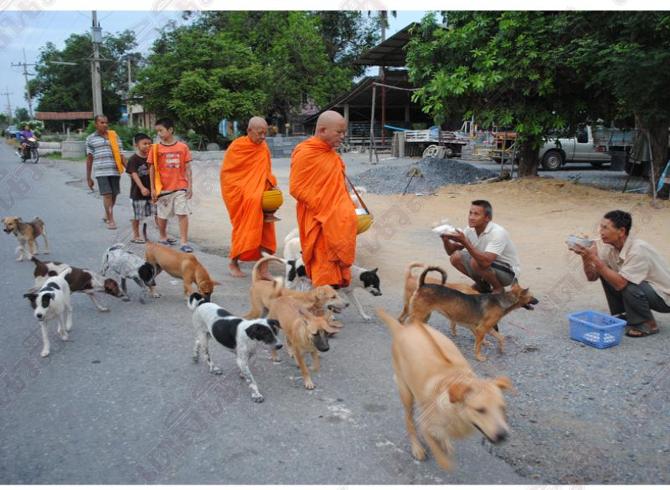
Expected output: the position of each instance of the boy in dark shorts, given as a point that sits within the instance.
(140, 193)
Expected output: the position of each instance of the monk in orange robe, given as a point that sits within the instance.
(326, 214)
(245, 174)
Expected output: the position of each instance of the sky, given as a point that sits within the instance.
(31, 30)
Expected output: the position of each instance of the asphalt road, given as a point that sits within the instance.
(122, 402)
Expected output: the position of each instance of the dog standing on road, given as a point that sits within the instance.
(26, 234)
(52, 302)
(234, 333)
(481, 313)
(453, 402)
(127, 265)
(80, 280)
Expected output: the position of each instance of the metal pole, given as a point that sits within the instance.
(130, 81)
(28, 96)
(372, 121)
(96, 82)
(9, 104)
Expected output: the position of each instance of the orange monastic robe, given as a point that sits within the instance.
(245, 174)
(326, 214)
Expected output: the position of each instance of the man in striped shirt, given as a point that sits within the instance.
(100, 159)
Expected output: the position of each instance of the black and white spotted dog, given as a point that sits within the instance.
(296, 274)
(52, 302)
(234, 333)
(127, 265)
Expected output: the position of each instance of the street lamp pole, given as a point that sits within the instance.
(96, 81)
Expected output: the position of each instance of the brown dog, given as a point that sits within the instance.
(453, 402)
(411, 284)
(26, 234)
(319, 300)
(480, 313)
(184, 266)
(304, 333)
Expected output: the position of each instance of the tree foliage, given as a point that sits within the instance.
(235, 64)
(68, 88)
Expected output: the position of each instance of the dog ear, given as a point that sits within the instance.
(457, 392)
(146, 272)
(216, 283)
(503, 382)
(375, 270)
(32, 297)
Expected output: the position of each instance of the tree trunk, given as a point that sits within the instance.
(658, 137)
(528, 159)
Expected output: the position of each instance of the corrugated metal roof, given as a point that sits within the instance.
(390, 52)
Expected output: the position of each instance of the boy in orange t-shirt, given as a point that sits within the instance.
(172, 188)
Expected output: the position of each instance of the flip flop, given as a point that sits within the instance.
(165, 242)
(186, 248)
(641, 333)
(111, 226)
(137, 240)
(171, 241)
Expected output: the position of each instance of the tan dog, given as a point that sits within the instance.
(26, 234)
(304, 333)
(184, 266)
(480, 313)
(411, 284)
(453, 402)
(319, 300)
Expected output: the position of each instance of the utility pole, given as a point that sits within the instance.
(96, 38)
(9, 104)
(130, 82)
(25, 66)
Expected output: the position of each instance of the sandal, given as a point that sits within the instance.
(636, 333)
(137, 240)
(165, 242)
(186, 248)
(171, 241)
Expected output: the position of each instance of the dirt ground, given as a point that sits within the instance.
(571, 411)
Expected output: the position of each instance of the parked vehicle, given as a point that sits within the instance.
(12, 132)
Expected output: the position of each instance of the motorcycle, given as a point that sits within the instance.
(29, 151)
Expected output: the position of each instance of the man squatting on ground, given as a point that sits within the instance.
(104, 157)
(484, 251)
(326, 214)
(246, 172)
(635, 277)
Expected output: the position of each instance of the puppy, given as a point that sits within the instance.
(184, 266)
(431, 372)
(26, 234)
(261, 293)
(234, 333)
(52, 302)
(480, 313)
(128, 265)
(411, 284)
(304, 333)
(80, 280)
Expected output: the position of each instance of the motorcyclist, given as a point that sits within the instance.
(24, 135)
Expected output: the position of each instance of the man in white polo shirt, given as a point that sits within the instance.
(483, 251)
(635, 277)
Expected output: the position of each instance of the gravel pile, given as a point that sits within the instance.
(429, 175)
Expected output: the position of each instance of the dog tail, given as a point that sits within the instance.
(261, 266)
(392, 323)
(36, 261)
(277, 285)
(422, 278)
(411, 266)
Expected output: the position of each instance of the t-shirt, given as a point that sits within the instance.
(172, 160)
(104, 164)
(638, 262)
(496, 240)
(138, 164)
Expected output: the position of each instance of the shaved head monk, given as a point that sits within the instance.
(326, 214)
(246, 173)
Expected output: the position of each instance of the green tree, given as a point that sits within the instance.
(505, 68)
(68, 87)
(198, 78)
(628, 55)
(21, 115)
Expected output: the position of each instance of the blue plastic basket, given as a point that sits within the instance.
(596, 329)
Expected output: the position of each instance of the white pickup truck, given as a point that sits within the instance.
(585, 146)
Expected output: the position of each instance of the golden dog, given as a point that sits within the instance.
(303, 331)
(184, 266)
(481, 313)
(26, 234)
(453, 402)
(319, 300)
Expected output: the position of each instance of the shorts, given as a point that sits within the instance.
(172, 203)
(503, 271)
(142, 208)
(109, 185)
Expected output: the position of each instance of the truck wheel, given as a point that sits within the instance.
(552, 160)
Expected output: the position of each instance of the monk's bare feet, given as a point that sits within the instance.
(235, 270)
